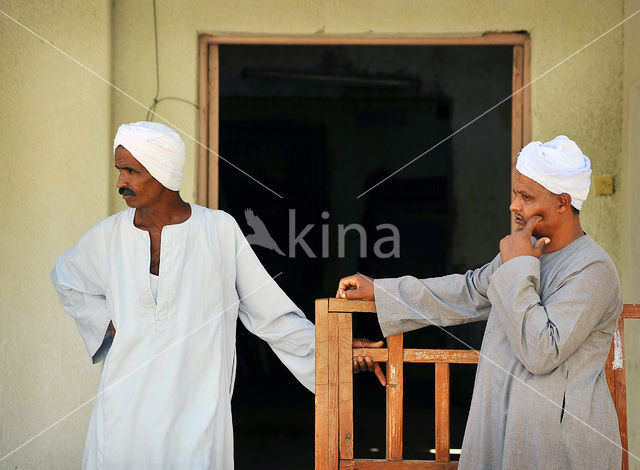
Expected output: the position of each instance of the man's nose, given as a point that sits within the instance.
(121, 181)
(515, 205)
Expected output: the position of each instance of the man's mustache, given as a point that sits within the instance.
(126, 192)
(520, 218)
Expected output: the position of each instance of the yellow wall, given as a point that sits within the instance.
(58, 124)
(55, 135)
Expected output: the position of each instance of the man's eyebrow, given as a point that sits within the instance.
(523, 191)
(124, 168)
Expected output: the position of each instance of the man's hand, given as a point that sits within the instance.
(519, 242)
(355, 287)
(366, 363)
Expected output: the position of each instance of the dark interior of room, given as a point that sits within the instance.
(321, 125)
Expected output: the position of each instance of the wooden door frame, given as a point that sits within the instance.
(209, 88)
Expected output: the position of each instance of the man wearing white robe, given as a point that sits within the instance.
(156, 291)
(540, 397)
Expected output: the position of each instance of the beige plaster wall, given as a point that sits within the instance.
(54, 137)
(630, 220)
(58, 123)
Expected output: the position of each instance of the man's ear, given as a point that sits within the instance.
(564, 202)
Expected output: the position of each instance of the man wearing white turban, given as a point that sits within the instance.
(551, 302)
(559, 166)
(172, 279)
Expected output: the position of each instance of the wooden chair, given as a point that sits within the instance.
(334, 390)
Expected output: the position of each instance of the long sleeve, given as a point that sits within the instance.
(266, 311)
(544, 334)
(408, 303)
(78, 278)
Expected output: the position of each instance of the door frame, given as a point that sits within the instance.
(209, 88)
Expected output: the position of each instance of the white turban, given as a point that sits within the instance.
(157, 147)
(559, 165)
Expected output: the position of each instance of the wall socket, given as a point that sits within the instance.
(603, 185)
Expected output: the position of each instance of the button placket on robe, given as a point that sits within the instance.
(143, 261)
(160, 323)
(165, 271)
(170, 261)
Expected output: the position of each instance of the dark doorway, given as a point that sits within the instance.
(320, 125)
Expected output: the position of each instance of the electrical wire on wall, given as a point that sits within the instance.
(156, 99)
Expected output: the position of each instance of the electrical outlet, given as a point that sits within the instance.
(603, 184)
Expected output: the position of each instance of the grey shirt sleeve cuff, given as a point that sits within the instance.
(387, 306)
(395, 315)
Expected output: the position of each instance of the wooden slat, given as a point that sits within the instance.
(503, 39)
(608, 371)
(334, 399)
(214, 126)
(322, 385)
(616, 381)
(395, 384)
(378, 355)
(517, 101)
(346, 386)
(203, 121)
(620, 399)
(442, 412)
(343, 305)
(526, 93)
(454, 356)
(363, 464)
(630, 311)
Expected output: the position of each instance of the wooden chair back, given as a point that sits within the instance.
(334, 389)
